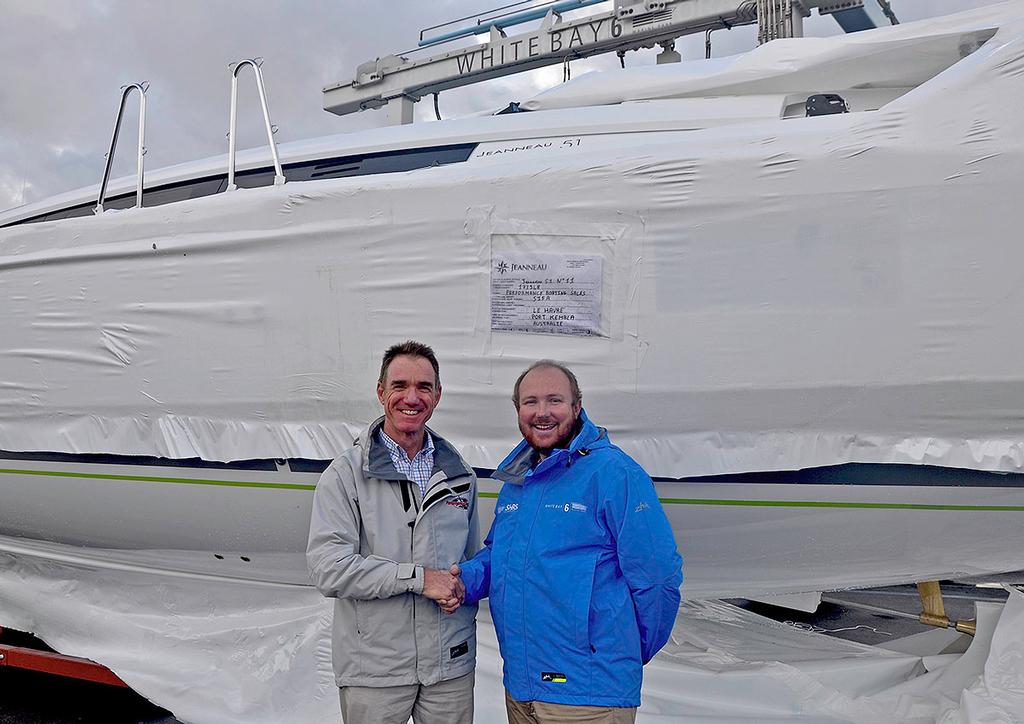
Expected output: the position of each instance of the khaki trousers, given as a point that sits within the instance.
(446, 702)
(542, 712)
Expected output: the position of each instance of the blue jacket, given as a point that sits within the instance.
(582, 572)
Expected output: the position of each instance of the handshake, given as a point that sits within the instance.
(444, 587)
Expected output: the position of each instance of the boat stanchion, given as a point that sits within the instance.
(140, 172)
(256, 65)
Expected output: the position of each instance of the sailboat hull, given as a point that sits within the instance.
(868, 525)
(762, 296)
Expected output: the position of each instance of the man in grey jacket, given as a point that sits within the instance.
(390, 517)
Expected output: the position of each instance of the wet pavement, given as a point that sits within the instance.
(833, 618)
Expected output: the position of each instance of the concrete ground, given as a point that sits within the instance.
(843, 620)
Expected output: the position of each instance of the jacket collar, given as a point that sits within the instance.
(515, 467)
(377, 461)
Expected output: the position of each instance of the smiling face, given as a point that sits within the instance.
(547, 412)
(409, 393)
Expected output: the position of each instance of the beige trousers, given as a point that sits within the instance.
(446, 702)
(542, 712)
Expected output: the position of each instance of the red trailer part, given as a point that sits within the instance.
(50, 662)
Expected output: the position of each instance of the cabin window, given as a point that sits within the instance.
(182, 191)
(327, 168)
(374, 163)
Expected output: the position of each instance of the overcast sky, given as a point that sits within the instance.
(62, 63)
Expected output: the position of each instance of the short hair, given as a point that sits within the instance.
(412, 349)
(574, 385)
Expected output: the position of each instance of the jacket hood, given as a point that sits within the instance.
(517, 464)
(377, 460)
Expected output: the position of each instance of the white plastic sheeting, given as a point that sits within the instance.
(225, 652)
(776, 295)
(901, 56)
(216, 653)
(729, 666)
(997, 693)
(781, 294)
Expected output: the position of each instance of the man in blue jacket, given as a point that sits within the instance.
(580, 564)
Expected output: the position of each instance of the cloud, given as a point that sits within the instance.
(62, 63)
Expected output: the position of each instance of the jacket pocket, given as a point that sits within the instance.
(360, 618)
(581, 610)
(386, 636)
(458, 638)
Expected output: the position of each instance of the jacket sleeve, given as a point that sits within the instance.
(476, 572)
(332, 553)
(647, 554)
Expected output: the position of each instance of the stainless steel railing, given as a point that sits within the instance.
(255, 64)
(125, 91)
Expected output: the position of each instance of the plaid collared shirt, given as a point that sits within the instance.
(420, 467)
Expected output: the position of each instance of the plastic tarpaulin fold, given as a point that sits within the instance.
(778, 294)
(222, 653)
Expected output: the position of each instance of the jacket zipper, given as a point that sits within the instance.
(415, 601)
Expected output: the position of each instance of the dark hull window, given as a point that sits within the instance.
(325, 168)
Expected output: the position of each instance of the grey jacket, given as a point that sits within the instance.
(370, 536)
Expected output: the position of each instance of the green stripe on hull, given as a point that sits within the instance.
(826, 504)
(665, 501)
(838, 504)
(150, 479)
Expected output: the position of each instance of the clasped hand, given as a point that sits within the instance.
(444, 587)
